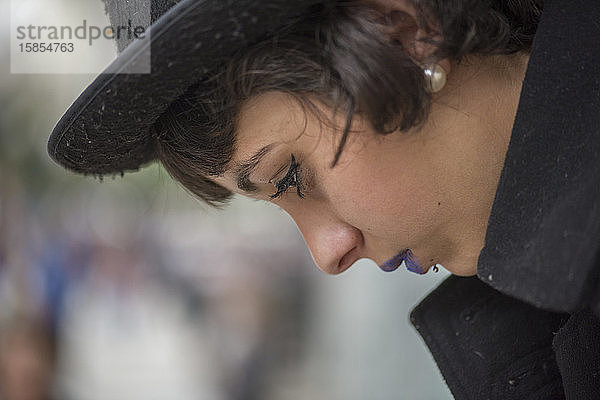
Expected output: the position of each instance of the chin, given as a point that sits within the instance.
(464, 266)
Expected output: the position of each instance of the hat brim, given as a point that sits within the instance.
(108, 129)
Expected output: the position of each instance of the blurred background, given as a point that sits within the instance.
(128, 288)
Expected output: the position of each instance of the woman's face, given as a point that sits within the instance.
(419, 190)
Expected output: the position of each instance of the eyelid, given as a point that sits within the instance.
(291, 167)
(279, 171)
(293, 178)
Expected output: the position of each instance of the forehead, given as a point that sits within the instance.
(276, 118)
(269, 118)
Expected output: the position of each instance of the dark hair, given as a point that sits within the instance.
(342, 57)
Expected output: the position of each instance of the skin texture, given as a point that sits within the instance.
(429, 190)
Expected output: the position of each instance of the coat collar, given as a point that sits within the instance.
(543, 238)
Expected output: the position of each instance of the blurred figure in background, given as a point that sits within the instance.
(27, 359)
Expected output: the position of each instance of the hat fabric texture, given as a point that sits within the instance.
(108, 129)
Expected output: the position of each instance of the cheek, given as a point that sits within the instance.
(385, 197)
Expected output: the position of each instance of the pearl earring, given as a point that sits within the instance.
(435, 77)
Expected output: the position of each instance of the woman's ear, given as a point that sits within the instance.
(417, 34)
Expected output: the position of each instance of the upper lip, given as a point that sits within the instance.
(393, 263)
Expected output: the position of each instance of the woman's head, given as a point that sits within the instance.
(314, 108)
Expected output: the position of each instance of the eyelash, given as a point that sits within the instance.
(291, 179)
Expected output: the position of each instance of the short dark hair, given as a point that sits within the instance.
(341, 57)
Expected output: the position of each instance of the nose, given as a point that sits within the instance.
(333, 244)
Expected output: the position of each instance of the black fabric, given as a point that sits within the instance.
(491, 346)
(488, 345)
(136, 12)
(109, 128)
(536, 317)
(577, 347)
(543, 238)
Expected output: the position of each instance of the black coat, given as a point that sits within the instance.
(528, 326)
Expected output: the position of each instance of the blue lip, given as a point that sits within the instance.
(412, 264)
(409, 260)
(393, 263)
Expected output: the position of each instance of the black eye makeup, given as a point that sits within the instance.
(291, 179)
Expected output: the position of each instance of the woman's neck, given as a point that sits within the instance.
(487, 90)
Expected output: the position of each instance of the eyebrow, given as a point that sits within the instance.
(245, 168)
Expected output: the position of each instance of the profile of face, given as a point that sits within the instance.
(429, 190)
(424, 192)
(380, 198)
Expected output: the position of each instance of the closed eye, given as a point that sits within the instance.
(291, 179)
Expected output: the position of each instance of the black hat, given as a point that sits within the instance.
(108, 129)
